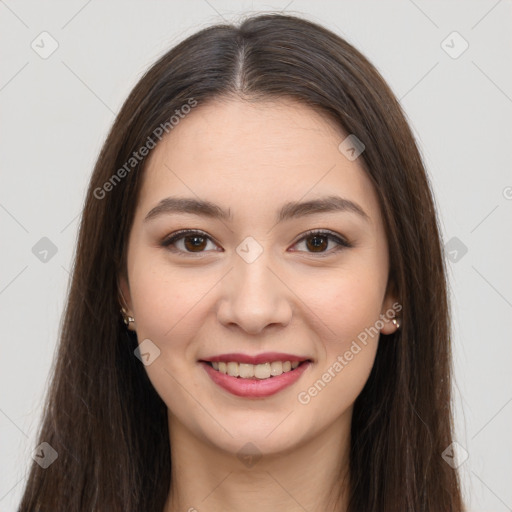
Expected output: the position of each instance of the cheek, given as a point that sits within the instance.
(169, 306)
(349, 308)
(346, 306)
(344, 303)
(165, 297)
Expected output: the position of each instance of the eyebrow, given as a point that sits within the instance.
(288, 211)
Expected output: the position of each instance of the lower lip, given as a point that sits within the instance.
(255, 388)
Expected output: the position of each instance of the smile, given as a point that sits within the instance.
(255, 380)
(256, 371)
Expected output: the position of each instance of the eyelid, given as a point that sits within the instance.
(342, 242)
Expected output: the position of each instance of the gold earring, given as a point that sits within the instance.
(396, 323)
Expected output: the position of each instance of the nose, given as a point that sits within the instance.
(254, 296)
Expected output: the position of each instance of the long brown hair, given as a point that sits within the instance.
(103, 416)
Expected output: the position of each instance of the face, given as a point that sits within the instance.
(266, 281)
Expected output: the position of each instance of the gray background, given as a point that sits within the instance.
(56, 112)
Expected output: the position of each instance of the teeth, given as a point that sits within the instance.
(246, 370)
(276, 368)
(258, 371)
(262, 371)
(233, 369)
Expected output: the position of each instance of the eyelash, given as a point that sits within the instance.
(342, 243)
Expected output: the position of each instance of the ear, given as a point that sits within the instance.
(391, 308)
(124, 292)
(124, 297)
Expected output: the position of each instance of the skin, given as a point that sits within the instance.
(252, 157)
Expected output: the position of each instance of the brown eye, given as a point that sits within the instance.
(318, 242)
(187, 242)
(194, 243)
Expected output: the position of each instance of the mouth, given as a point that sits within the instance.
(261, 371)
(259, 380)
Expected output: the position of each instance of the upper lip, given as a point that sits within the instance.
(266, 357)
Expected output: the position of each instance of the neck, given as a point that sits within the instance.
(312, 476)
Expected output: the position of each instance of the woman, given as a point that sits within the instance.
(258, 314)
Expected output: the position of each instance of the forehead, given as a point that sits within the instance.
(251, 155)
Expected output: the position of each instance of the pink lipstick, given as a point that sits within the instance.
(256, 376)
